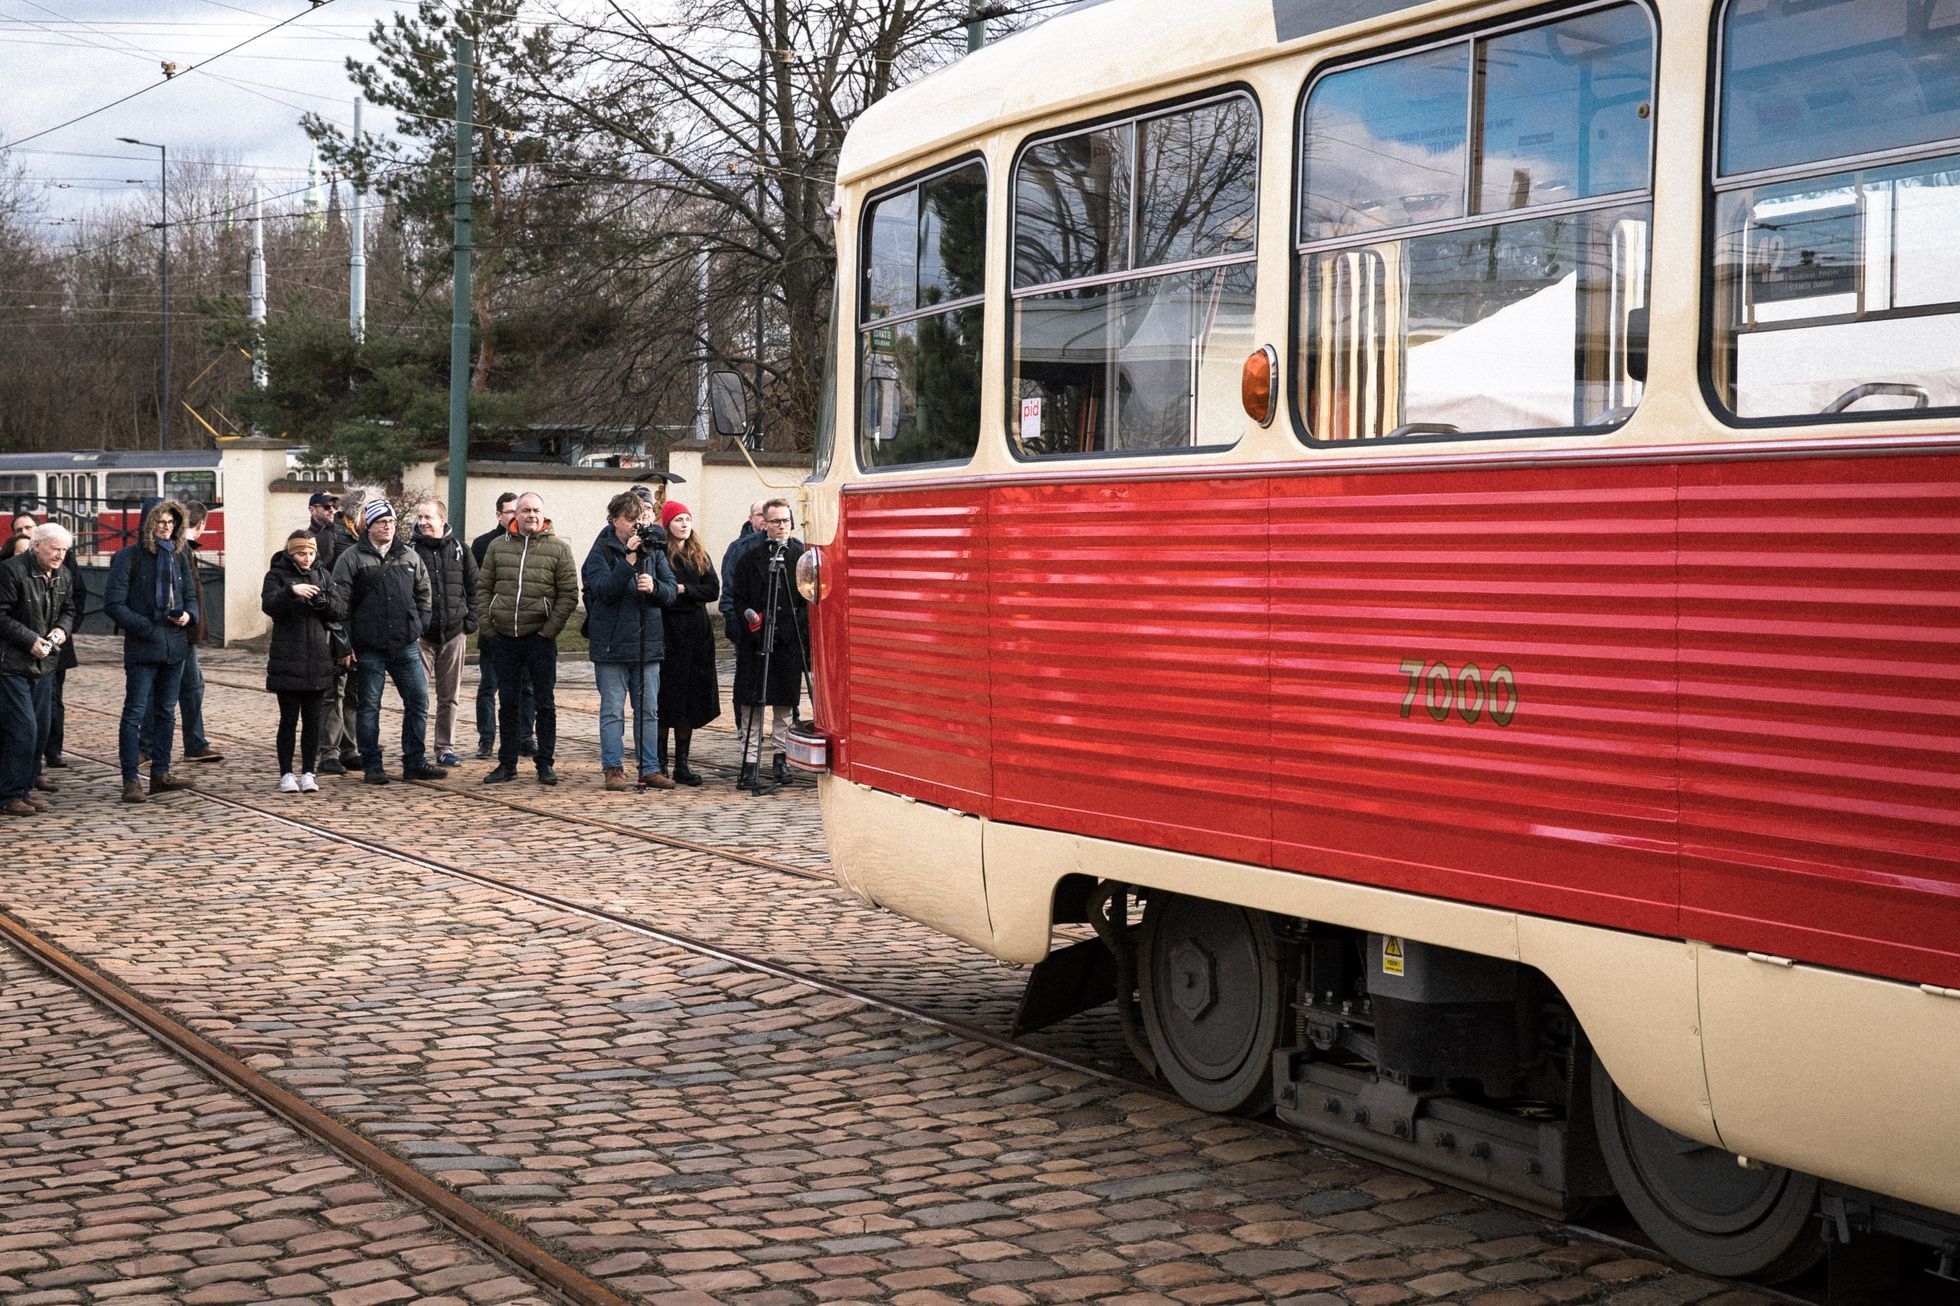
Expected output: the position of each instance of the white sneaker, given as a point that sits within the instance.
(289, 783)
(308, 785)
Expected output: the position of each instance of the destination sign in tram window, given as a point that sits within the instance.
(1837, 287)
(1475, 263)
(1134, 282)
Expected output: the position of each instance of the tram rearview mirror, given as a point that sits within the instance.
(1637, 345)
(728, 404)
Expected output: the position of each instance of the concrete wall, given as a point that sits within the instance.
(717, 487)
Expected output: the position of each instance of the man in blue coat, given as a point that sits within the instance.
(151, 600)
(627, 581)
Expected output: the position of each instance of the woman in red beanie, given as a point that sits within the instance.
(689, 695)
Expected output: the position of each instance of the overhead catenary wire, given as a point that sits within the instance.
(313, 7)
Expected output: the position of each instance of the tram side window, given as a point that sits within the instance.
(1474, 231)
(1134, 282)
(1837, 277)
(129, 489)
(185, 486)
(919, 321)
(17, 492)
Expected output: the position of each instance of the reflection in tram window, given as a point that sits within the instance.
(1133, 283)
(1501, 287)
(1838, 289)
(919, 322)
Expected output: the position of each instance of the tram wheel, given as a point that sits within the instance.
(1700, 1206)
(1209, 979)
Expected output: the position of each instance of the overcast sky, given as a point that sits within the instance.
(59, 59)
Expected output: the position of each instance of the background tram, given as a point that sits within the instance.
(1454, 509)
(98, 495)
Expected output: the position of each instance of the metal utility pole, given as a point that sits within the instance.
(357, 255)
(163, 230)
(459, 322)
(257, 309)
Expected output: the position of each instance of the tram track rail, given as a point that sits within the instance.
(504, 1244)
(1618, 1235)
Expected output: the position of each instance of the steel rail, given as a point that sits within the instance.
(476, 1226)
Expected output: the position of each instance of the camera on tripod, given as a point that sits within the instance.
(651, 536)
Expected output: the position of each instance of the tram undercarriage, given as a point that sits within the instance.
(1463, 1067)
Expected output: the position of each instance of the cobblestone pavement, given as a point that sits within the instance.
(682, 1128)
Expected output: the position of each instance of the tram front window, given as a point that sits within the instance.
(1477, 263)
(1838, 288)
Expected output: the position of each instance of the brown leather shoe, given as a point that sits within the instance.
(162, 784)
(36, 802)
(655, 780)
(18, 807)
(208, 755)
(45, 785)
(133, 791)
(616, 779)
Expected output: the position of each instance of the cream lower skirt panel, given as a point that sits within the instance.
(1837, 1074)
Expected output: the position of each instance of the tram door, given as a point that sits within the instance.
(72, 501)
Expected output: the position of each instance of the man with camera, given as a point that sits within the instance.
(769, 647)
(525, 593)
(627, 582)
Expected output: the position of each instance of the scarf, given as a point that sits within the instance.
(166, 580)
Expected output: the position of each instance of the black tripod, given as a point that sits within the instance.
(752, 723)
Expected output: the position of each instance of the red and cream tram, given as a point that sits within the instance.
(99, 494)
(1454, 508)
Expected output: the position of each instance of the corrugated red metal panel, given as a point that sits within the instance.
(1820, 711)
(1473, 685)
(1130, 678)
(916, 640)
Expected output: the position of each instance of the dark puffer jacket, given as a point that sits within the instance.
(386, 596)
(623, 624)
(30, 607)
(452, 584)
(300, 658)
(130, 598)
(528, 585)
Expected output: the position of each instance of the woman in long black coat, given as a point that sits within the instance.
(690, 696)
(299, 665)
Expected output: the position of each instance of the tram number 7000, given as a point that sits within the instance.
(1470, 693)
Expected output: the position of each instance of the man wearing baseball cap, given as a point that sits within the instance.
(383, 587)
(321, 509)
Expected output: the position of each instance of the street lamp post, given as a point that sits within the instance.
(163, 231)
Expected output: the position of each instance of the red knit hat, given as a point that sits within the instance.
(670, 510)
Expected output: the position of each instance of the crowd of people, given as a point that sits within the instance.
(359, 599)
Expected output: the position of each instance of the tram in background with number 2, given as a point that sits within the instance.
(1435, 529)
(99, 494)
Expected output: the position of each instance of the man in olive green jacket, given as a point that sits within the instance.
(526, 591)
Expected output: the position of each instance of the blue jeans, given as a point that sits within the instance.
(615, 688)
(404, 667)
(26, 710)
(190, 709)
(149, 712)
(486, 698)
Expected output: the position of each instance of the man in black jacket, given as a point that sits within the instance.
(452, 584)
(384, 589)
(486, 670)
(35, 609)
